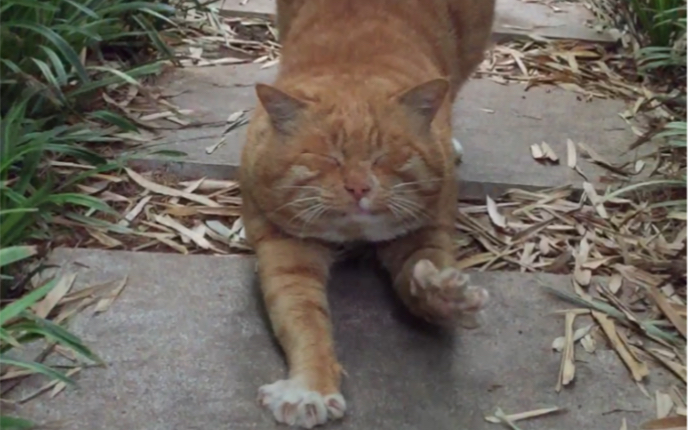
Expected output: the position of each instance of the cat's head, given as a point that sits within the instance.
(350, 166)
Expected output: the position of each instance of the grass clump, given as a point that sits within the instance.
(57, 58)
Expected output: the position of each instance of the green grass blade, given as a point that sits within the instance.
(59, 43)
(50, 330)
(15, 423)
(38, 368)
(20, 305)
(13, 254)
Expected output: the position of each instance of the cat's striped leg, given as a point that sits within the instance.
(423, 270)
(293, 275)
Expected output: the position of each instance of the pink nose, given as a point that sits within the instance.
(358, 191)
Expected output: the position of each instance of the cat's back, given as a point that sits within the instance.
(340, 33)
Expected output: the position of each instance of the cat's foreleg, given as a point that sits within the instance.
(423, 271)
(293, 276)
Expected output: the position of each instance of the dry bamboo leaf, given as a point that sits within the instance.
(678, 369)
(104, 239)
(549, 152)
(496, 218)
(474, 260)
(526, 415)
(46, 387)
(212, 148)
(501, 416)
(572, 159)
(536, 152)
(544, 246)
(42, 309)
(135, 211)
(637, 368)
(668, 310)
(213, 185)
(595, 200)
(615, 283)
(560, 342)
(195, 237)
(663, 403)
(588, 343)
(161, 189)
(624, 424)
(105, 303)
(677, 397)
(567, 369)
(668, 423)
(172, 244)
(187, 189)
(62, 385)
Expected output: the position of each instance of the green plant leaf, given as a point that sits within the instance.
(20, 305)
(38, 368)
(15, 423)
(48, 329)
(13, 254)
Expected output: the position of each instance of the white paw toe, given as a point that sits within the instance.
(292, 403)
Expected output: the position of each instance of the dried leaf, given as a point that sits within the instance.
(595, 200)
(572, 159)
(668, 423)
(666, 308)
(161, 189)
(664, 404)
(105, 303)
(536, 152)
(42, 309)
(525, 415)
(615, 283)
(588, 343)
(195, 237)
(62, 385)
(637, 368)
(567, 369)
(496, 218)
(135, 211)
(549, 152)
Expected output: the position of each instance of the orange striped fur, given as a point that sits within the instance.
(352, 142)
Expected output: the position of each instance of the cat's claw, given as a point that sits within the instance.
(292, 403)
(445, 295)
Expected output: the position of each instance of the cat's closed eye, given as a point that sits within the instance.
(379, 159)
(321, 157)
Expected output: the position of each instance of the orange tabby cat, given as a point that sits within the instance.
(353, 143)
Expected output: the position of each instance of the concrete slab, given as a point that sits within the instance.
(515, 18)
(187, 346)
(495, 123)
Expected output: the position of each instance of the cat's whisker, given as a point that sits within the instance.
(412, 207)
(314, 215)
(298, 201)
(405, 214)
(300, 187)
(419, 183)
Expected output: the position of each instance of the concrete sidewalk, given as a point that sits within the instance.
(187, 346)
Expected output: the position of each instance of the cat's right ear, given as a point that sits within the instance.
(282, 108)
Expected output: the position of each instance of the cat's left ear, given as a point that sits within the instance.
(282, 108)
(424, 100)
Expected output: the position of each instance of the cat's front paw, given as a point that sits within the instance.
(445, 296)
(292, 403)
